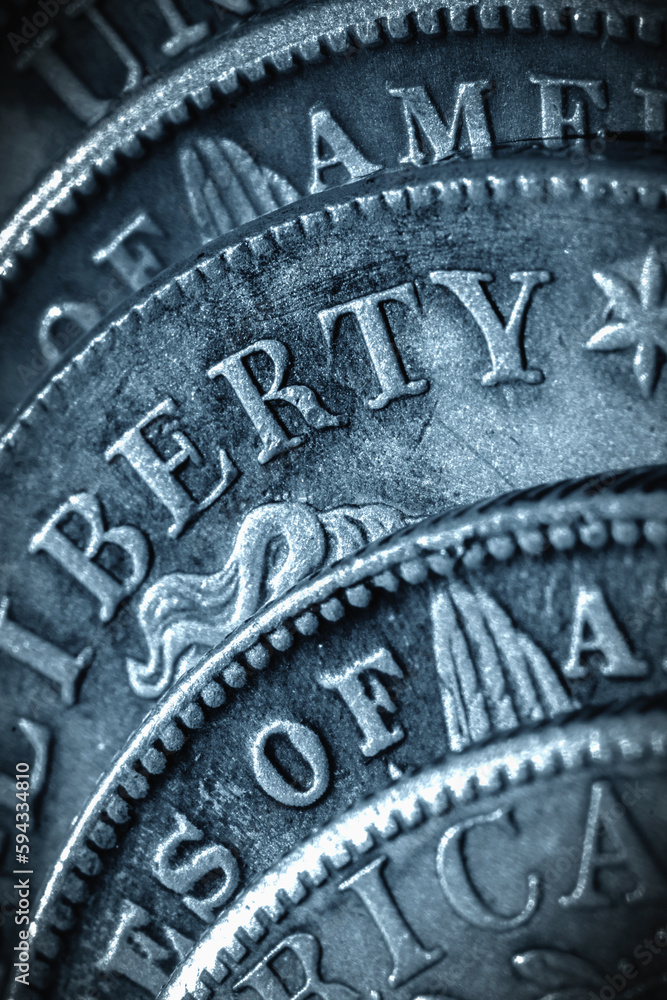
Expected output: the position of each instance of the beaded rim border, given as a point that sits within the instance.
(279, 44)
(627, 509)
(499, 767)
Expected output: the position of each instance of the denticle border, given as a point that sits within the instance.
(279, 45)
(502, 765)
(626, 509)
(538, 179)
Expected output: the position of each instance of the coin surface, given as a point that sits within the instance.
(475, 878)
(281, 401)
(295, 104)
(453, 631)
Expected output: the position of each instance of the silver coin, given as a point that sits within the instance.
(451, 632)
(476, 878)
(249, 424)
(304, 102)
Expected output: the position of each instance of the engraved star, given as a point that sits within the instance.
(639, 314)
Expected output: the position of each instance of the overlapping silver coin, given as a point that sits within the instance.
(459, 629)
(450, 280)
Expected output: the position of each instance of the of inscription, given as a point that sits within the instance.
(364, 706)
(308, 746)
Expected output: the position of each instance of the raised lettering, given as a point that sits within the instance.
(555, 95)
(655, 109)
(504, 340)
(371, 316)
(306, 949)
(595, 632)
(79, 561)
(332, 148)
(626, 851)
(275, 441)
(42, 656)
(159, 474)
(133, 954)
(134, 269)
(456, 883)
(365, 706)
(82, 314)
(183, 35)
(429, 138)
(182, 878)
(408, 956)
(309, 747)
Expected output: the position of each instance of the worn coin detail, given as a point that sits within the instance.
(452, 631)
(293, 105)
(418, 343)
(529, 869)
(67, 64)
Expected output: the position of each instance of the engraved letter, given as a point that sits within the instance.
(134, 270)
(655, 109)
(182, 35)
(555, 92)
(158, 474)
(364, 707)
(82, 314)
(134, 955)
(331, 147)
(595, 631)
(626, 851)
(306, 949)
(274, 439)
(408, 956)
(371, 315)
(428, 136)
(42, 656)
(79, 561)
(185, 876)
(461, 894)
(72, 92)
(60, 78)
(503, 339)
(310, 748)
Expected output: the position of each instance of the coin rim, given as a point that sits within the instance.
(463, 538)
(281, 43)
(547, 752)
